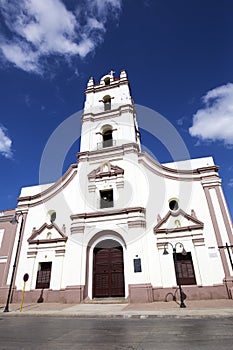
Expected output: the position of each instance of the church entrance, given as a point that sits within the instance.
(108, 270)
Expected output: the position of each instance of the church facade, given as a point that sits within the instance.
(120, 224)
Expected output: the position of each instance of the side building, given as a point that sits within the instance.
(103, 228)
(8, 227)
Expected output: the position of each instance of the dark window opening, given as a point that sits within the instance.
(43, 275)
(107, 138)
(107, 81)
(137, 265)
(106, 199)
(185, 269)
(107, 103)
(173, 205)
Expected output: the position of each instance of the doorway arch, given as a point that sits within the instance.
(108, 269)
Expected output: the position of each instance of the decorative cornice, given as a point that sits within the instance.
(52, 190)
(105, 153)
(102, 115)
(32, 239)
(134, 217)
(197, 223)
(197, 174)
(109, 212)
(7, 215)
(208, 169)
(99, 173)
(114, 84)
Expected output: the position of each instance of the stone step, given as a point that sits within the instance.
(109, 300)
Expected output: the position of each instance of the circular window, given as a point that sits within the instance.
(173, 204)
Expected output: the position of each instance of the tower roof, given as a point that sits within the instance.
(107, 81)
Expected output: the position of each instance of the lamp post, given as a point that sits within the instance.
(6, 309)
(165, 252)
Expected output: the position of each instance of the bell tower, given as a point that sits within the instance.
(109, 118)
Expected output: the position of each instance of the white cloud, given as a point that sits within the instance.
(104, 7)
(215, 121)
(5, 144)
(230, 183)
(38, 29)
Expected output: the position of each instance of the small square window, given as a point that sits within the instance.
(106, 199)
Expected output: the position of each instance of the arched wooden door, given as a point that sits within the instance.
(108, 272)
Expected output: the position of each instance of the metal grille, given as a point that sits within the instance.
(43, 275)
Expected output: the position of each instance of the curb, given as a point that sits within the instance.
(140, 316)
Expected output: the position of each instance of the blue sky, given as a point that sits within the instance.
(178, 56)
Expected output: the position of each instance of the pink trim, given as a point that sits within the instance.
(199, 172)
(113, 170)
(224, 214)
(36, 233)
(192, 293)
(105, 152)
(114, 84)
(20, 246)
(198, 224)
(108, 213)
(6, 248)
(87, 277)
(71, 294)
(217, 232)
(140, 293)
(105, 115)
(50, 189)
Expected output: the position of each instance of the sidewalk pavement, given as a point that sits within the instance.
(194, 309)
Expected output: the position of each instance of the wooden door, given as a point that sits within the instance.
(185, 269)
(108, 272)
(43, 275)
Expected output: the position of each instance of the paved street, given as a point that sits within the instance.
(37, 333)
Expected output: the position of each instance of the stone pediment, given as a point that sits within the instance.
(105, 170)
(178, 221)
(47, 233)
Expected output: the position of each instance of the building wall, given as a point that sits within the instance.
(7, 238)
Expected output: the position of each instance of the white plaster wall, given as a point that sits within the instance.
(64, 203)
(122, 125)
(120, 95)
(191, 163)
(156, 268)
(74, 263)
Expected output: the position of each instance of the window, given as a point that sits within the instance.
(1, 235)
(106, 199)
(185, 269)
(43, 275)
(107, 103)
(52, 215)
(107, 138)
(173, 204)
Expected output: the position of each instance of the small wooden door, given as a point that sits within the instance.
(108, 272)
(43, 275)
(185, 269)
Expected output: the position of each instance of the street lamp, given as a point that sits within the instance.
(165, 252)
(15, 220)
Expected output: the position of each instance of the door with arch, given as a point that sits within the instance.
(108, 272)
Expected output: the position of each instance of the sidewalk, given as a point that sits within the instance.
(195, 309)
